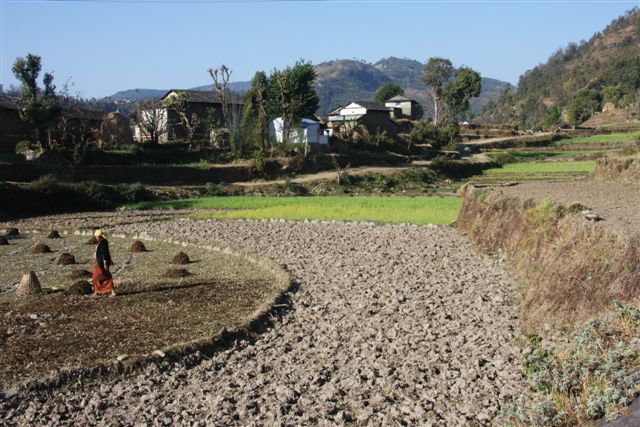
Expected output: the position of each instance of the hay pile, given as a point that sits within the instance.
(181, 258)
(66, 259)
(41, 248)
(137, 246)
(81, 287)
(29, 285)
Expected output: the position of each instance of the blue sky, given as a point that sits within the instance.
(106, 46)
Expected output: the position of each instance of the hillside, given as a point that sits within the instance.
(341, 81)
(345, 80)
(606, 68)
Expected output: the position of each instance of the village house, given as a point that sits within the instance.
(373, 116)
(12, 128)
(200, 103)
(306, 131)
(402, 107)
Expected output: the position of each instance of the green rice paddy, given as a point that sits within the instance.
(415, 210)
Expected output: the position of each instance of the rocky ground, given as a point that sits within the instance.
(392, 324)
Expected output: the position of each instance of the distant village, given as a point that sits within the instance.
(374, 117)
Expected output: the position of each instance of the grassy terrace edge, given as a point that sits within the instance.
(392, 209)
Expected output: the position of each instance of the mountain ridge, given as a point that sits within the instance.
(344, 80)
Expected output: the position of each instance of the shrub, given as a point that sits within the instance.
(22, 147)
(585, 380)
(504, 157)
(134, 192)
(45, 184)
(212, 189)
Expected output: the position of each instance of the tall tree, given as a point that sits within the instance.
(386, 92)
(292, 95)
(435, 75)
(457, 93)
(256, 103)
(38, 108)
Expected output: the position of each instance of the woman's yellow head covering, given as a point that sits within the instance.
(99, 233)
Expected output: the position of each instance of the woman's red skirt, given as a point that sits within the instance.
(102, 280)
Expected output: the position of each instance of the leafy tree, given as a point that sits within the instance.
(419, 111)
(436, 74)
(553, 115)
(488, 108)
(256, 104)
(36, 106)
(386, 92)
(456, 96)
(583, 105)
(292, 95)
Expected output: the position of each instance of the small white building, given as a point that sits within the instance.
(306, 131)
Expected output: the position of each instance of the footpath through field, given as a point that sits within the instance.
(391, 324)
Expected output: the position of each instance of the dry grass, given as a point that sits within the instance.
(571, 269)
(54, 331)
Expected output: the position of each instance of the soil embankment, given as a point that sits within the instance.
(618, 169)
(571, 267)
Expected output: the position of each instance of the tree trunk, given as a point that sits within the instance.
(436, 117)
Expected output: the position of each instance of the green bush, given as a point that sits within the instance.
(212, 189)
(504, 157)
(132, 193)
(22, 147)
(587, 379)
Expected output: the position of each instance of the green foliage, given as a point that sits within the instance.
(131, 193)
(605, 71)
(457, 93)
(212, 189)
(435, 75)
(255, 109)
(438, 136)
(386, 92)
(585, 380)
(22, 147)
(38, 107)
(292, 95)
(553, 116)
(260, 163)
(583, 105)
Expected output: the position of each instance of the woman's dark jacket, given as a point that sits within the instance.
(102, 254)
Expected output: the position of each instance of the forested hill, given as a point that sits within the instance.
(584, 76)
(345, 80)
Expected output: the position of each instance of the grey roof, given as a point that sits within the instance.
(336, 110)
(199, 96)
(373, 106)
(7, 102)
(400, 98)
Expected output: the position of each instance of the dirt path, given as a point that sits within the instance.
(619, 204)
(391, 324)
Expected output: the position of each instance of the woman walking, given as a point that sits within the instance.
(102, 279)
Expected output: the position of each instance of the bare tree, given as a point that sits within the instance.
(151, 119)
(190, 122)
(231, 107)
